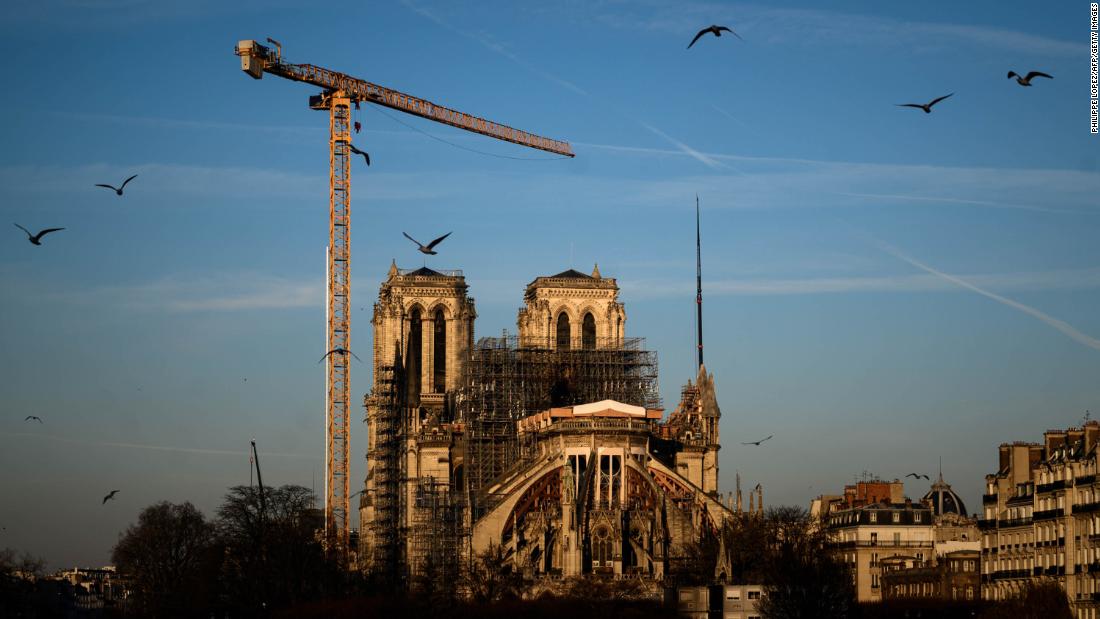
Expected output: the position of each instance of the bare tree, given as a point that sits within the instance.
(273, 553)
(1043, 600)
(802, 579)
(491, 577)
(164, 555)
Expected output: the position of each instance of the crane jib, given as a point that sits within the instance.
(362, 90)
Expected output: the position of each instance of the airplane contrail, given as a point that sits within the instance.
(194, 450)
(1061, 325)
(495, 47)
(691, 152)
(1025, 207)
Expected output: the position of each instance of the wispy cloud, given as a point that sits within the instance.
(1060, 325)
(299, 132)
(149, 447)
(495, 47)
(786, 26)
(225, 292)
(1066, 279)
(1025, 207)
(787, 181)
(185, 183)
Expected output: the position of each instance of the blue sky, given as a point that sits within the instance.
(161, 331)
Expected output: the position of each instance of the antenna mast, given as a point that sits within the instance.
(698, 284)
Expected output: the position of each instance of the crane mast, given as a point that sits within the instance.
(339, 93)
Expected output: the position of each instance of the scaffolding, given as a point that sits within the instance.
(507, 382)
(437, 536)
(384, 406)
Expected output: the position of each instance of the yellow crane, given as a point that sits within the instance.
(339, 93)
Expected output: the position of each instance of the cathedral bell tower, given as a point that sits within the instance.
(423, 333)
(572, 310)
(424, 325)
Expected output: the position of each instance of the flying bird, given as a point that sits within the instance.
(35, 417)
(109, 496)
(340, 351)
(1026, 80)
(917, 476)
(36, 239)
(716, 30)
(757, 443)
(427, 249)
(927, 107)
(118, 190)
(366, 157)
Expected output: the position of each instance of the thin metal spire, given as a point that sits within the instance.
(698, 284)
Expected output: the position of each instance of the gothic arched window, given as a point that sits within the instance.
(588, 332)
(439, 354)
(602, 553)
(564, 335)
(413, 354)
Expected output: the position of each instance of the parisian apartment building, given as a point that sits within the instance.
(1041, 518)
(876, 529)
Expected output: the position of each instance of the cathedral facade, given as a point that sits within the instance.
(550, 445)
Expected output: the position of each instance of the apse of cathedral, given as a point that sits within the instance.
(551, 443)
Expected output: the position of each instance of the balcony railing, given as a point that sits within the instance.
(1013, 522)
(988, 499)
(1048, 514)
(1003, 574)
(1084, 480)
(1086, 508)
(1054, 485)
(866, 543)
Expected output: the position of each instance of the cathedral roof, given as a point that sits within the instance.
(944, 500)
(424, 271)
(572, 279)
(571, 274)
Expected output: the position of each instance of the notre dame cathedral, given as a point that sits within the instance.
(550, 445)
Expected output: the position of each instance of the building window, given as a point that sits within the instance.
(413, 354)
(754, 595)
(588, 332)
(916, 516)
(874, 516)
(601, 547)
(439, 354)
(563, 335)
(897, 517)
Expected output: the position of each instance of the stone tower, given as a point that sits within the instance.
(572, 310)
(423, 332)
(424, 322)
(695, 425)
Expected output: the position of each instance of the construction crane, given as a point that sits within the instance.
(339, 93)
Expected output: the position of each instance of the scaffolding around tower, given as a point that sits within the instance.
(439, 535)
(380, 548)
